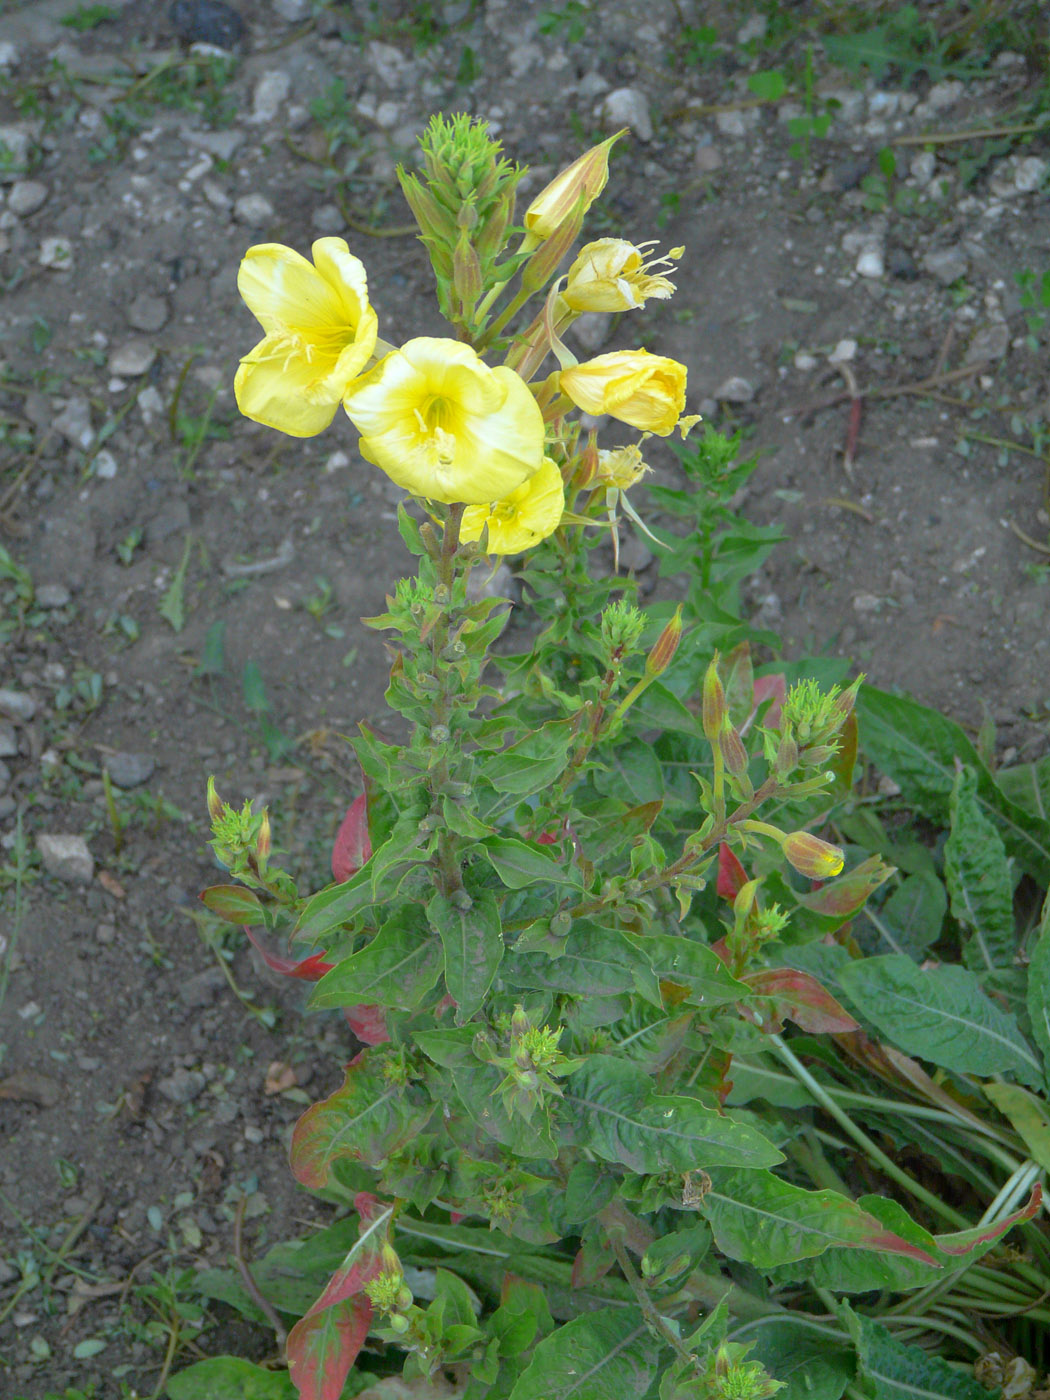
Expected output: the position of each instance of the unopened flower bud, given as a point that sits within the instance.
(665, 646)
(214, 801)
(263, 842)
(734, 755)
(811, 856)
(713, 710)
(584, 179)
(398, 1323)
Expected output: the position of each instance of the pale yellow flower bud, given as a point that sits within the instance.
(647, 391)
(613, 275)
(585, 178)
(811, 856)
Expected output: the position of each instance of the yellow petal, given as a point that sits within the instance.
(282, 289)
(527, 516)
(277, 392)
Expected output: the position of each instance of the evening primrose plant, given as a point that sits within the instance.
(575, 1152)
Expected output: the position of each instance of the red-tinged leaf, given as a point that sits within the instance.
(842, 897)
(312, 969)
(772, 687)
(234, 903)
(323, 1346)
(368, 1023)
(721, 950)
(732, 877)
(900, 1070)
(966, 1241)
(796, 996)
(352, 848)
(843, 763)
(546, 838)
(366, 1119)
(369, 1255)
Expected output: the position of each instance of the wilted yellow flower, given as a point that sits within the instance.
(613, 275)
(620, 469)
(583, 180)
(320, 334)
(523, 518)
(647, 391)
(444, 425)
(811, 856)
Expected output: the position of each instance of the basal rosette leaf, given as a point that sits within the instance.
(760, 1219)
(977, 874)
(616, 1116)
(1038, 996)
(605, 1355)
(890, 1370)
(366, 1119)
(809, 1365)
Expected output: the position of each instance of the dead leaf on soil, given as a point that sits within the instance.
(82, 1293)
(279, 1076)
(111, 885)
(133, 1099)
(29, 1086)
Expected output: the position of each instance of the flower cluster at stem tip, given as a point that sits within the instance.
(443, 423)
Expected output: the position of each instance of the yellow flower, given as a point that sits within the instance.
(523, 518)
(444, 425)
(613, 275)
(647, 391)
(320, 334)
(573, 190)
(620, 469)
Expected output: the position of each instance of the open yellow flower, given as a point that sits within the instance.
(320, 334)
(523, 518)
(621, 468)
(647, 391)
(614, 275)
(446, 426)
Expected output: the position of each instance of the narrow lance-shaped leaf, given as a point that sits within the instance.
(472, 939)
(396, 969)
(764, 1221)
(977, 873)
(352, 848)
(1039, 990)
(940, 1015)
(890, 1370)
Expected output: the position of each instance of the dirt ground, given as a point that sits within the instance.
(199, 580)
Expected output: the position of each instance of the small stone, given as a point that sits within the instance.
(150, 404)
(627, 107)
(922, 167)
(15, 140)
(871, 263)
(8, 55)
(203, 988)
(328, 218)
(735, 390)
(182, 1085)
(74, 423)
(845, 174)
(223, 145)
(867, 603)
(884, 104)
(255, 210)
(148, 313)
(769, 612)
(8, 739)
(5, 776)
(843, 352)
(26, 197)
(66, 857)
(52, 595)
(105, 465)
(17, 705)
(132, 359)
(294, 11)
(733, 123)
(902, 588)
(129, 770)
(106, 933)
(804, 360)
(753, 28)
(335, 461)
(270, 93)
(1030, 174)
(707, 159)
(523, 56)
(947, 265)
(944, 95)
(591, 330)
(634, 554)
(988, 343)
(900, 263)
(388, 63)
(206, 22)
(56, 253)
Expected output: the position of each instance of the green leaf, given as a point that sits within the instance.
(890, 1370)
(909, 921)
(770, 86)
(396, 969)
(229, 1378)
(473, 942)
(1028, 786)
(764, 1221)
(213, 651)
(620, 1119)
(1028, 1114)
(519, 865)
(978, 878)
(1039, 990)
(940, 1015)
(335, 906)
(918, 748)
(534, 762)
(596, 962)
(810, 1365)
(689, 963)
(366, 1119)
(254, 689)
(234, 903)
(171, 606)
(604, 1355)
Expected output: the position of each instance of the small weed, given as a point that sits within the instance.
(128, 545)
(172, 606)
(16, 595)
(319, 603)
(811, 124)
(82, 694)
(695, 45)
(670, 203)
(86, 17)
(1035, 302)
(569, 23)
